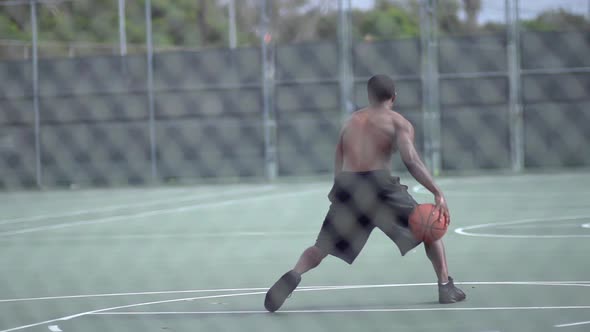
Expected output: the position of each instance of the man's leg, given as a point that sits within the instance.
(436, 253)
(280, 291)
(311, 258)
(447, 292)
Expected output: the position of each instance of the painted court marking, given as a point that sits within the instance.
(536, 226)
(419, 189)
(54, 328)
(324, 288)
(151, 213)
(219, 290)
(186, 235)
(324, 311)
(572, 324)
(136, 205)
(467, 231)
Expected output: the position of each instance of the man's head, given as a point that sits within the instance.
(381, 89)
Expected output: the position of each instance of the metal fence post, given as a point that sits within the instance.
(345, 58)
(233, 41)
(150, 87)
(515, 106)
(35, 70)
(434, 92)
(122, 32)
(430, 85)
(424, 75)
(269, 118)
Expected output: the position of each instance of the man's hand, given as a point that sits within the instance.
(442, 208)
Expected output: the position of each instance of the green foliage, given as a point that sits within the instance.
(14, 23)
(204, 23)
(448, 18)
(386, 23)
(556, 20)
(11, 30)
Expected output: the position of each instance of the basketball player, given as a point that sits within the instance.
(365, 195)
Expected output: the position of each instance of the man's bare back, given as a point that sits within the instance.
(369, 137)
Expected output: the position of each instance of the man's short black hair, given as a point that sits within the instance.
(380, 88)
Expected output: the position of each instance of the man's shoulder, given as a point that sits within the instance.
(356, 115)
(399, 119)
(359, 112)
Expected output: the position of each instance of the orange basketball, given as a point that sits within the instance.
(426, 226)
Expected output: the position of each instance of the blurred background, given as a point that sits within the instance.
(115, 92)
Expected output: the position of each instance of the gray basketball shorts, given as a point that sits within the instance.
(361, 201)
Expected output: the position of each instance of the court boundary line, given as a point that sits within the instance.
(464, 230)
(303, 311)
(156, 212)
(315, 288)
(572, 324)
(247, 289)
(116, 207)
(471, 180)
(186, 235)
(420, 189)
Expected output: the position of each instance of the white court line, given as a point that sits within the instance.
(136, 205)
(465, 230)
(54, 328)
(579, 283)
(130, 294)
(419, 189)
(329, 311)
(151, 213)
(114, 308)
(536, 226)
(315, 288)
(201, 235)
(572, 324)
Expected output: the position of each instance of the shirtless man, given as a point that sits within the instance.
(365, 195)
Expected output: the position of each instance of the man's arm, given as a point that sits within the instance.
(410, 157)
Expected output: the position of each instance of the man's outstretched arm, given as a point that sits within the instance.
(411, 158)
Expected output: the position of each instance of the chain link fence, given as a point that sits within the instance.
(96, 109)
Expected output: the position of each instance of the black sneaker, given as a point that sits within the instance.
(281, 290)
(449, 293)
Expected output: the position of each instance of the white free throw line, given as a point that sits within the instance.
(316, 288)
(329, 311)
(573, 324)
(577, 283)
(467, 230)
(151, 213)
(135, 205)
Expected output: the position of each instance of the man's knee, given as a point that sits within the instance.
(316, 254)
(435, 244)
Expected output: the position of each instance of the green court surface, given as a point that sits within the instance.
(201, 258)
